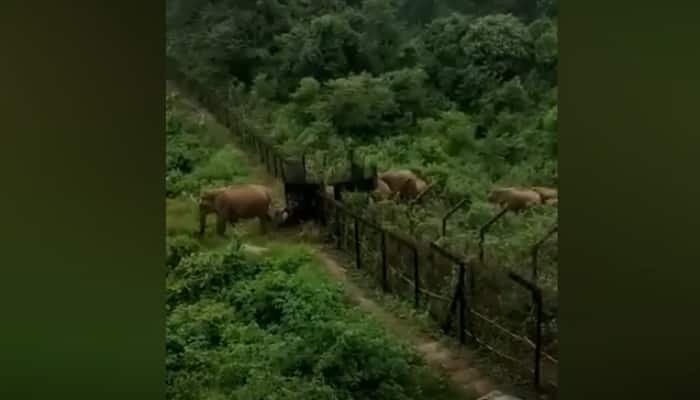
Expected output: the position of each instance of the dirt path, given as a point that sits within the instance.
(440, 354)
(445, 355)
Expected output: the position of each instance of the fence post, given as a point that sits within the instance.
(283, 170)
(462, 305)
(484, 229)
(339, 228)
(270, 160)
(274, 165)
(452, 211)
(267, 159)
(303, 165)
(534, 252)
(322, 211)
(416, 279)
(358, 256)
(537, 299)
(385, 283)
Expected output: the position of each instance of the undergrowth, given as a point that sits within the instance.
(245, 327)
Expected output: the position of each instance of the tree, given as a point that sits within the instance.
(546, 48)
(381, 34)
(359, 105)
(441, 53)
(325, 48)
(500, 42)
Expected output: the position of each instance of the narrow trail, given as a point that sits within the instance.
(440, 354)
(445, 355)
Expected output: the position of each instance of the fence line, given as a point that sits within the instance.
(467, 314)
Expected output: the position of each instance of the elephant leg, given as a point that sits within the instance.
(232, 220)
(221, 225)
(202, 225)
(263, 225)
(265, 222)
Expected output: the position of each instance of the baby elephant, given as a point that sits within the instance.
(548, 195)
(382, 191)
(234, 203)
(402, 182)
(515, 199)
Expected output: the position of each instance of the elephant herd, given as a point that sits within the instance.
(405, 184)
(240, 202)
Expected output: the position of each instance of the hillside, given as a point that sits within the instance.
(463, 93)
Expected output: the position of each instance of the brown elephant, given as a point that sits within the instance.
(403, 182)
(545, 192)
(234, 203)
(514, 198)
(382, 191)
(415, 188)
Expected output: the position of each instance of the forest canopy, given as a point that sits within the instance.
(360, 70)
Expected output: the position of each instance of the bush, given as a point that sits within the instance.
(247, 328)
(204, 274)
(179, 247)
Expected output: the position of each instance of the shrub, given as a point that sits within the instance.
(273, 328)
(179, 247)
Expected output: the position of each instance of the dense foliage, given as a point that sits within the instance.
(463, 92)
(245, 328)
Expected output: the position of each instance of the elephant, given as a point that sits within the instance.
(514, 198)
(234, 203)
(415, 188)
(546, 193)
(402, 182)
(382, 191)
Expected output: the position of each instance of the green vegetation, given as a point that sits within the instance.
(464, 93)
(197, 157)
(247, 327)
